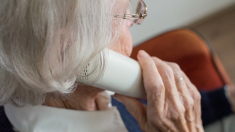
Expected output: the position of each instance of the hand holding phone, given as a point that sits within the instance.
(122, 75)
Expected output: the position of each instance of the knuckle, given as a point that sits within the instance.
(150, 63)
(159, 85)
(177, 116)
(157, 122)
(198, 96)
(180, 109)
(190, 102)
(154, 58)
(175, 66)
(168, 70)
(189, 105)
(154, 85)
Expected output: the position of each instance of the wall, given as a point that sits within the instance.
(167, 14)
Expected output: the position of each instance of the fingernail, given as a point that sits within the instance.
(143, 54)
(117, 98)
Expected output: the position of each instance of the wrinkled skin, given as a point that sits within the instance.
(90, 98)
(172, 106)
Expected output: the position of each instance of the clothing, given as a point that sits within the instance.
(216, 114)
(5, 125)
(129, 121)
(50, 119)
(227, 124)
(215, 106)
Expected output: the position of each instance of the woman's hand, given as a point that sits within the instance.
(173, 101)
(230, 91)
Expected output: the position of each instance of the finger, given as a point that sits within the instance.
(181, 123)
(166, 125)
(135, 108)
(230, 93)
(197, 103)
(153, 83)
(163, 123)
(181, 86)
(103, 100)
(155, 93)
(177, 109)
(190, 86)
(187, 98)
(190, 119)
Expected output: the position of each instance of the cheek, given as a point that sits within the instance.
(124, 43)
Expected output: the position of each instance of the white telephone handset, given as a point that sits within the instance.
(122, 75)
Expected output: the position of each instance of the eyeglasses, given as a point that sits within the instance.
(140, 12)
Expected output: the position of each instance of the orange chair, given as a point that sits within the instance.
(191, 52)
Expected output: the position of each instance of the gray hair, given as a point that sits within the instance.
(46, 44)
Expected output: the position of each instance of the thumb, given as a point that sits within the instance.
(135, 108)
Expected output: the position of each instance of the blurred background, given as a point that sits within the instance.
(214, 19)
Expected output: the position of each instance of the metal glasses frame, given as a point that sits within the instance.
(134, 16)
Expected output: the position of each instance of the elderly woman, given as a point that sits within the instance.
(45, 46)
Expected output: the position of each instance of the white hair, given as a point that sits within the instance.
(45, 45)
